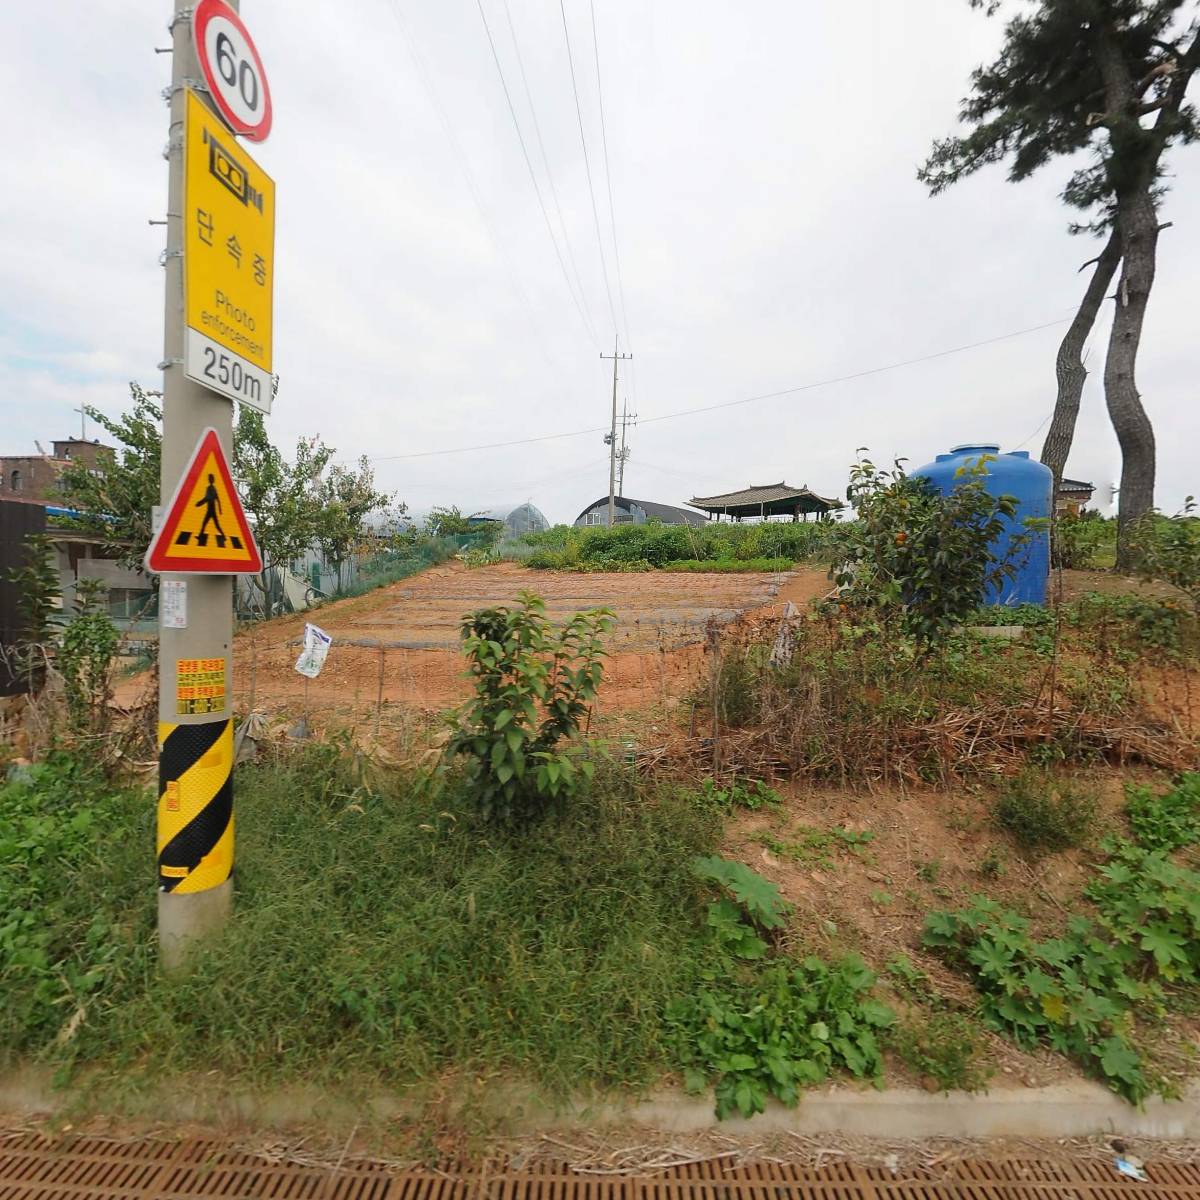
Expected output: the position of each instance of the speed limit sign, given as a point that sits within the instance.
(232, 69)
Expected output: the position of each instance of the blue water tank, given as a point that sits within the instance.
(1011, 474)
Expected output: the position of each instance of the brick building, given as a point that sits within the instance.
(35, 476)
(32, 479)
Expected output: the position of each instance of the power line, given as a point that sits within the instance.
(688, 412)
(1046, 421)
(587, 166)
(1035, 432)
(908, 362)
(612, 212)
(422, 68)
(513, 486)
(537, 129)
(512, 112)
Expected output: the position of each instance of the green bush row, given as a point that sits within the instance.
(726, 566)
(657, 545)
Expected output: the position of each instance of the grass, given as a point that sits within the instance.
(944, 1049)
(1043, 815)
(382, 933)
(815, 847)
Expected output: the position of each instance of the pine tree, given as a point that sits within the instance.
(1107, 77)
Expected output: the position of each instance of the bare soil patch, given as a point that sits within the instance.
(410, 629)
(928, 850)
(1076, 584)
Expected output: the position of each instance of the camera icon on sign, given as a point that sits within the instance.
(230, 173)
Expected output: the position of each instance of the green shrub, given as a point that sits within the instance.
(533, 685)
(751, 794)
(758, 897)
(738, 685)
(39, 599)
(405, 554)
(70, 924)
(1043, 815)
(787, 1026)
(1072, 993)
(1037, 620)
(918, 555)
(942, 1046)
(1133, 627)
(85, 657)
(1077, 541)
(1167, 821)
(756, 905)
(1168, 549)
(1151, 905)
(1080, 993)
(728, 566)
(546, 560)
(717, 546)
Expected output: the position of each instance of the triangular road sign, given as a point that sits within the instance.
(205, 531)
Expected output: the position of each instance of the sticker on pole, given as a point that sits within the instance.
(232, 69)
(228, 262)
(316, 647)
(205, 531)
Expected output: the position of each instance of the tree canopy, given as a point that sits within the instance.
(115, 498)
(1049, 92)
(292, 506)
(1105, 80)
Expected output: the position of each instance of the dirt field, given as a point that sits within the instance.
(409, 633)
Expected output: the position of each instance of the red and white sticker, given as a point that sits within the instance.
(232, 69)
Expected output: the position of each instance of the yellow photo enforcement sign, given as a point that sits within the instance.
(228, 261)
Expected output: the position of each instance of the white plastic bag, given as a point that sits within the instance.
(316, 647)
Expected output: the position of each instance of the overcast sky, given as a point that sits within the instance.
(770, 229)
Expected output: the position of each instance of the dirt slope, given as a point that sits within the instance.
(410, 630)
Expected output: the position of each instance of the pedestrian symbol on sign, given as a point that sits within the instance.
(211, 503)
(205, 530)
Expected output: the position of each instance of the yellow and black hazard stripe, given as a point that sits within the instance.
(195, 805)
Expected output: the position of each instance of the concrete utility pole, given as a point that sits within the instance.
(627, 418)
(195, 751)
(611, 439)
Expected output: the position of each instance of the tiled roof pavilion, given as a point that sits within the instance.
(766, 500)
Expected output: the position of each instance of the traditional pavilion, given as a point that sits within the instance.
(765, 501)
(1073, 495)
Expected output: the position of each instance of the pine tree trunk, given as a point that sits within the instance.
(1137, 223)
(1069, 367)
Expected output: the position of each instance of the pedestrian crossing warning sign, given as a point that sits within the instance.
(205, 531)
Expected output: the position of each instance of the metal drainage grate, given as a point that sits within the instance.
(35, 1168)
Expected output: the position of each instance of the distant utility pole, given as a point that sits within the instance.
(82, 411)
(611, 437)
(627, 418)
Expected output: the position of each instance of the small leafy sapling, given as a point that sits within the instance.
(534, 685)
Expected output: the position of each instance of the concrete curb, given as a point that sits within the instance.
(1077, 1109)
